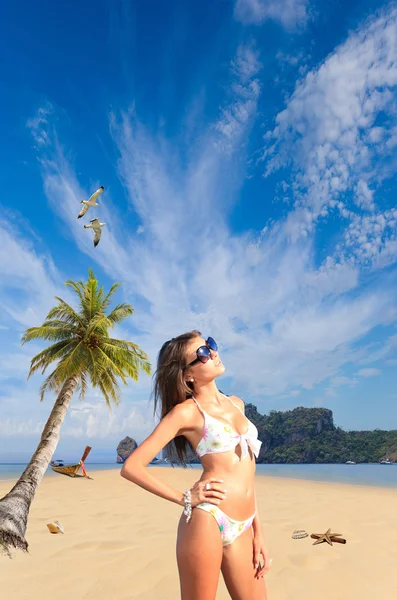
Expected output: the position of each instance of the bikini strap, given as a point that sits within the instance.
(199, 407)
(235, 405)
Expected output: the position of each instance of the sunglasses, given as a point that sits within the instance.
(203, 353)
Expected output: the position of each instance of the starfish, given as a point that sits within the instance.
(324, 537)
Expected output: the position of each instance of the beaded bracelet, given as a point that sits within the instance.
(188, 505)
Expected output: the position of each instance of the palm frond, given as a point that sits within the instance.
(74, 361)
(110, 388)
(78, 287)
(83, 385)
(65, 313)
(52, 383)
(99, 324)
(120, 343)
(48, 331)
(49, 355)
(135, 352)
(127, 346)
(113, 288)
(106, 363)
(126, 360)
(120, 312)
(91, 298)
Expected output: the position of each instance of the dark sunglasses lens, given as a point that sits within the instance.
(211, 343)
(203, 354)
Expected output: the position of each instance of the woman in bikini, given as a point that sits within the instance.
(219, 529)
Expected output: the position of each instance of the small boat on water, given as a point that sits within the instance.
(386, 461)
(350, 462)
(71, 470)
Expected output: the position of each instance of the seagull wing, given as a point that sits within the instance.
(83, 211)
(97, 236)
(96, 194)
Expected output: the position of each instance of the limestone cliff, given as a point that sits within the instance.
(125, 448)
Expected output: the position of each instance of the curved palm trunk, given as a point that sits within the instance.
(14, 507)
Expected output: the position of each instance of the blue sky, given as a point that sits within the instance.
(248, 154)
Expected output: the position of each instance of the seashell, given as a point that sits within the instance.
(299, 533)
(55, 527)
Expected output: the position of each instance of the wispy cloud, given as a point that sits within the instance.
(92, 421)
(291, 14)
(238, 115)
(25, 274)
(39, 125)
(329, 134)
(95, 421)
(368, 372)
(285, 322)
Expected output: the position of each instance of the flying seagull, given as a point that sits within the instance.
(90, 202)
(97, 227)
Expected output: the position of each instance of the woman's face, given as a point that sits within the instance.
(203, 372)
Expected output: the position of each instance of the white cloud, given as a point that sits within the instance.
(29, 276)
(330, 392)
(94, 420)
(291, 14)
(285, 322)
(370, 372)
(15, 363)
(337, 382)
(24, 416)
(329, 136)
(238, 114)
(39, 123)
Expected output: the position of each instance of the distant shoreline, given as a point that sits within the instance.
(362, 475)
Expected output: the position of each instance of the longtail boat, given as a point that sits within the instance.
(71, 470)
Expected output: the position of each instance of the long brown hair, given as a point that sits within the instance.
(170, 388)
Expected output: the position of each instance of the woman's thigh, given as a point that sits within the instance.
(238, 570)
(199, 556)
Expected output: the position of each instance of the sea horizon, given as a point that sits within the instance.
(365, 474)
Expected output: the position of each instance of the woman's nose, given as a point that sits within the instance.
(213, 353)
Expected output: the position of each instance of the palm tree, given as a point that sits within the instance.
(83, 352)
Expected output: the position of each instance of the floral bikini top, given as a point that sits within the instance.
(220, 437)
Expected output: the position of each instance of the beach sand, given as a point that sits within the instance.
(119, 541)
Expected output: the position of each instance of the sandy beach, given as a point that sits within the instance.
(119, 541)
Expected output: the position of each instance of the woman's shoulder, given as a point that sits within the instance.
(237, 401)
(185, 411)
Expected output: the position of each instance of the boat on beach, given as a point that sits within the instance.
(71, 470)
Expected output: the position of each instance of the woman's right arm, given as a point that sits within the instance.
(178, 420)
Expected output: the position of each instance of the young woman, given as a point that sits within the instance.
(219, 529)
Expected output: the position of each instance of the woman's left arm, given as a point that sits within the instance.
(260, 551)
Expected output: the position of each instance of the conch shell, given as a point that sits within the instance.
(55, 527)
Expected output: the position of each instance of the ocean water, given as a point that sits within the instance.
(371, 475)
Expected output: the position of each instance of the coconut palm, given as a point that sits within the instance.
(84, 353)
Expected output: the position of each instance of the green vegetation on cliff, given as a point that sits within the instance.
(308, 435)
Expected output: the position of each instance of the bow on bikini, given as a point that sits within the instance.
(251, 441)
